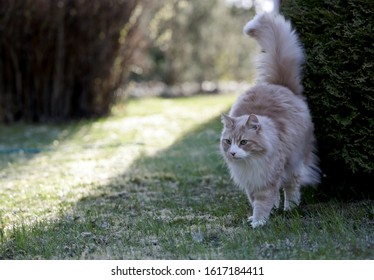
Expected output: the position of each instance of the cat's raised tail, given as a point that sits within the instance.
(282, 56)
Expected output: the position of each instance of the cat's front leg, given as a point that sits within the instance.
(263, 202)
(256, 223)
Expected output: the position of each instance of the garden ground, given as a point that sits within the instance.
(148, 182)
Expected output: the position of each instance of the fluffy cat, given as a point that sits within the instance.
(268, 140)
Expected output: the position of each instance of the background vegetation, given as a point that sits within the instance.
(197, 41)
(63, 59)
(66, 59)
(339, 84)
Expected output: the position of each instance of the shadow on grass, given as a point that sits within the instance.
(22, 142)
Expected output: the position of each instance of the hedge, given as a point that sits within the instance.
(339, 85)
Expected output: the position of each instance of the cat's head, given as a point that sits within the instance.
(242, 137)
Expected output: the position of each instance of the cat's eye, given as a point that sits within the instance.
(243, 142)
(228, 141)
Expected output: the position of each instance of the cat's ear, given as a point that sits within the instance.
(253, 123)
(227, 121)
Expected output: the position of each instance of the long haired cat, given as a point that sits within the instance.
(267, 140)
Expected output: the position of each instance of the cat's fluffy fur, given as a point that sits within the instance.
(268, 140)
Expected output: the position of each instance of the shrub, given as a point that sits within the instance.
(339, 84)
(63, 59)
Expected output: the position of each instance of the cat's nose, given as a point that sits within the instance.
(233, 154)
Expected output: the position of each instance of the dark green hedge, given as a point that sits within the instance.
(338, 37)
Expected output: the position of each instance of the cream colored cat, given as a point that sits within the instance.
(268, 141)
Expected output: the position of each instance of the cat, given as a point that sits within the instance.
(268, 138)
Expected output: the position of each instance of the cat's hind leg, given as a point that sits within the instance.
(292, 195)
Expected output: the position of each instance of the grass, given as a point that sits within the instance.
(149, 183)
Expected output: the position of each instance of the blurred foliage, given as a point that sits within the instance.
(197, 41)
(63, 59)
(339, 84)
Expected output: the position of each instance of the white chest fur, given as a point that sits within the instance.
(250, 175)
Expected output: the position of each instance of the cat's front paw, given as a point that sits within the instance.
(256, 223)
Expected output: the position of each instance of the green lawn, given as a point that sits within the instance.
(149, 183)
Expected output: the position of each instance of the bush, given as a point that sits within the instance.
(63, 59)
(339, 84)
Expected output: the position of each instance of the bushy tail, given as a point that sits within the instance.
(310, 174)
(282, 55)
